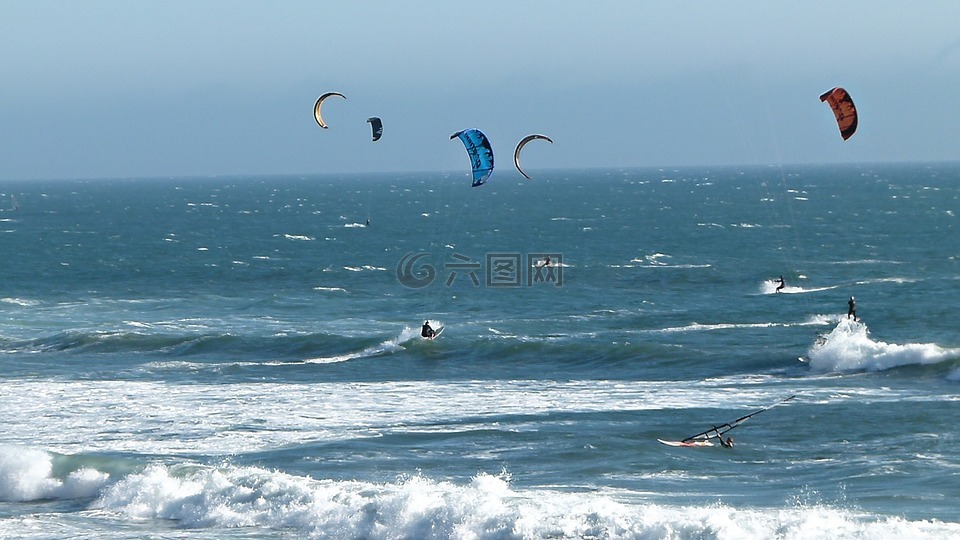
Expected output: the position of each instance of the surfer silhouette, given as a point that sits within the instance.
(426, 331)
(781, 285)
(852, 311)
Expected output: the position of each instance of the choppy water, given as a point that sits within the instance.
(239, 357)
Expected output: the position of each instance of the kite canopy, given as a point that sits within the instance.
(377, 126)
(523, 142)
(316, 108)
(843, 108)
(480, 152)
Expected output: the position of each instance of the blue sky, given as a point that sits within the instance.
(183, 88)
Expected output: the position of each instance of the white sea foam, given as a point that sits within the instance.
(108, 416)
(485, 506)
(388, 346)
(233, 497)
(849, 347)
(819, 320)
(298, 237)
(898, 280)
(697, 327)
(156, 418)
(657, 260)
(770, 287)
(814, 320)
(26, 474)
(20, 302)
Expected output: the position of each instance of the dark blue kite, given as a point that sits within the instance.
(376, 125)
(480, 152)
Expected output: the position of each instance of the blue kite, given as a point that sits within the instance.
(480, 152)
(376, 126)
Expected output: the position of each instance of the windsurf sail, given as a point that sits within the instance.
(521, 144)
(316, 107)
(717, 432)
(843, 109)
(377, 126)
(480, 152)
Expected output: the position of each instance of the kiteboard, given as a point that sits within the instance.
(435, 334)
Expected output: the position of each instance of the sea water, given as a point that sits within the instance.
(239, 357)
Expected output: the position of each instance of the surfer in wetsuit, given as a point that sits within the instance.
(781, 285)
(852, 311)
(426, 331)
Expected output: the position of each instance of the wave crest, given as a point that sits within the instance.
(27, 474)
(848, 347)
(484, 507)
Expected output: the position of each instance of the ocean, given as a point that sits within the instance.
(239, 357)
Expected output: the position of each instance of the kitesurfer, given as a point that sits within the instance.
(781, 285)
(546, 262)
(852, 311)
(426, 331)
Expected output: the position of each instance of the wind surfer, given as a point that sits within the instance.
(719, 435)
(704, 438)
(426, 331)
(781, 285)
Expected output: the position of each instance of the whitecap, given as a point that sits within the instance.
(26, 474)
(849, 347)
(485, 506)
(388, 346)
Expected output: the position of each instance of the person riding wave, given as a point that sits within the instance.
(426, 331)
